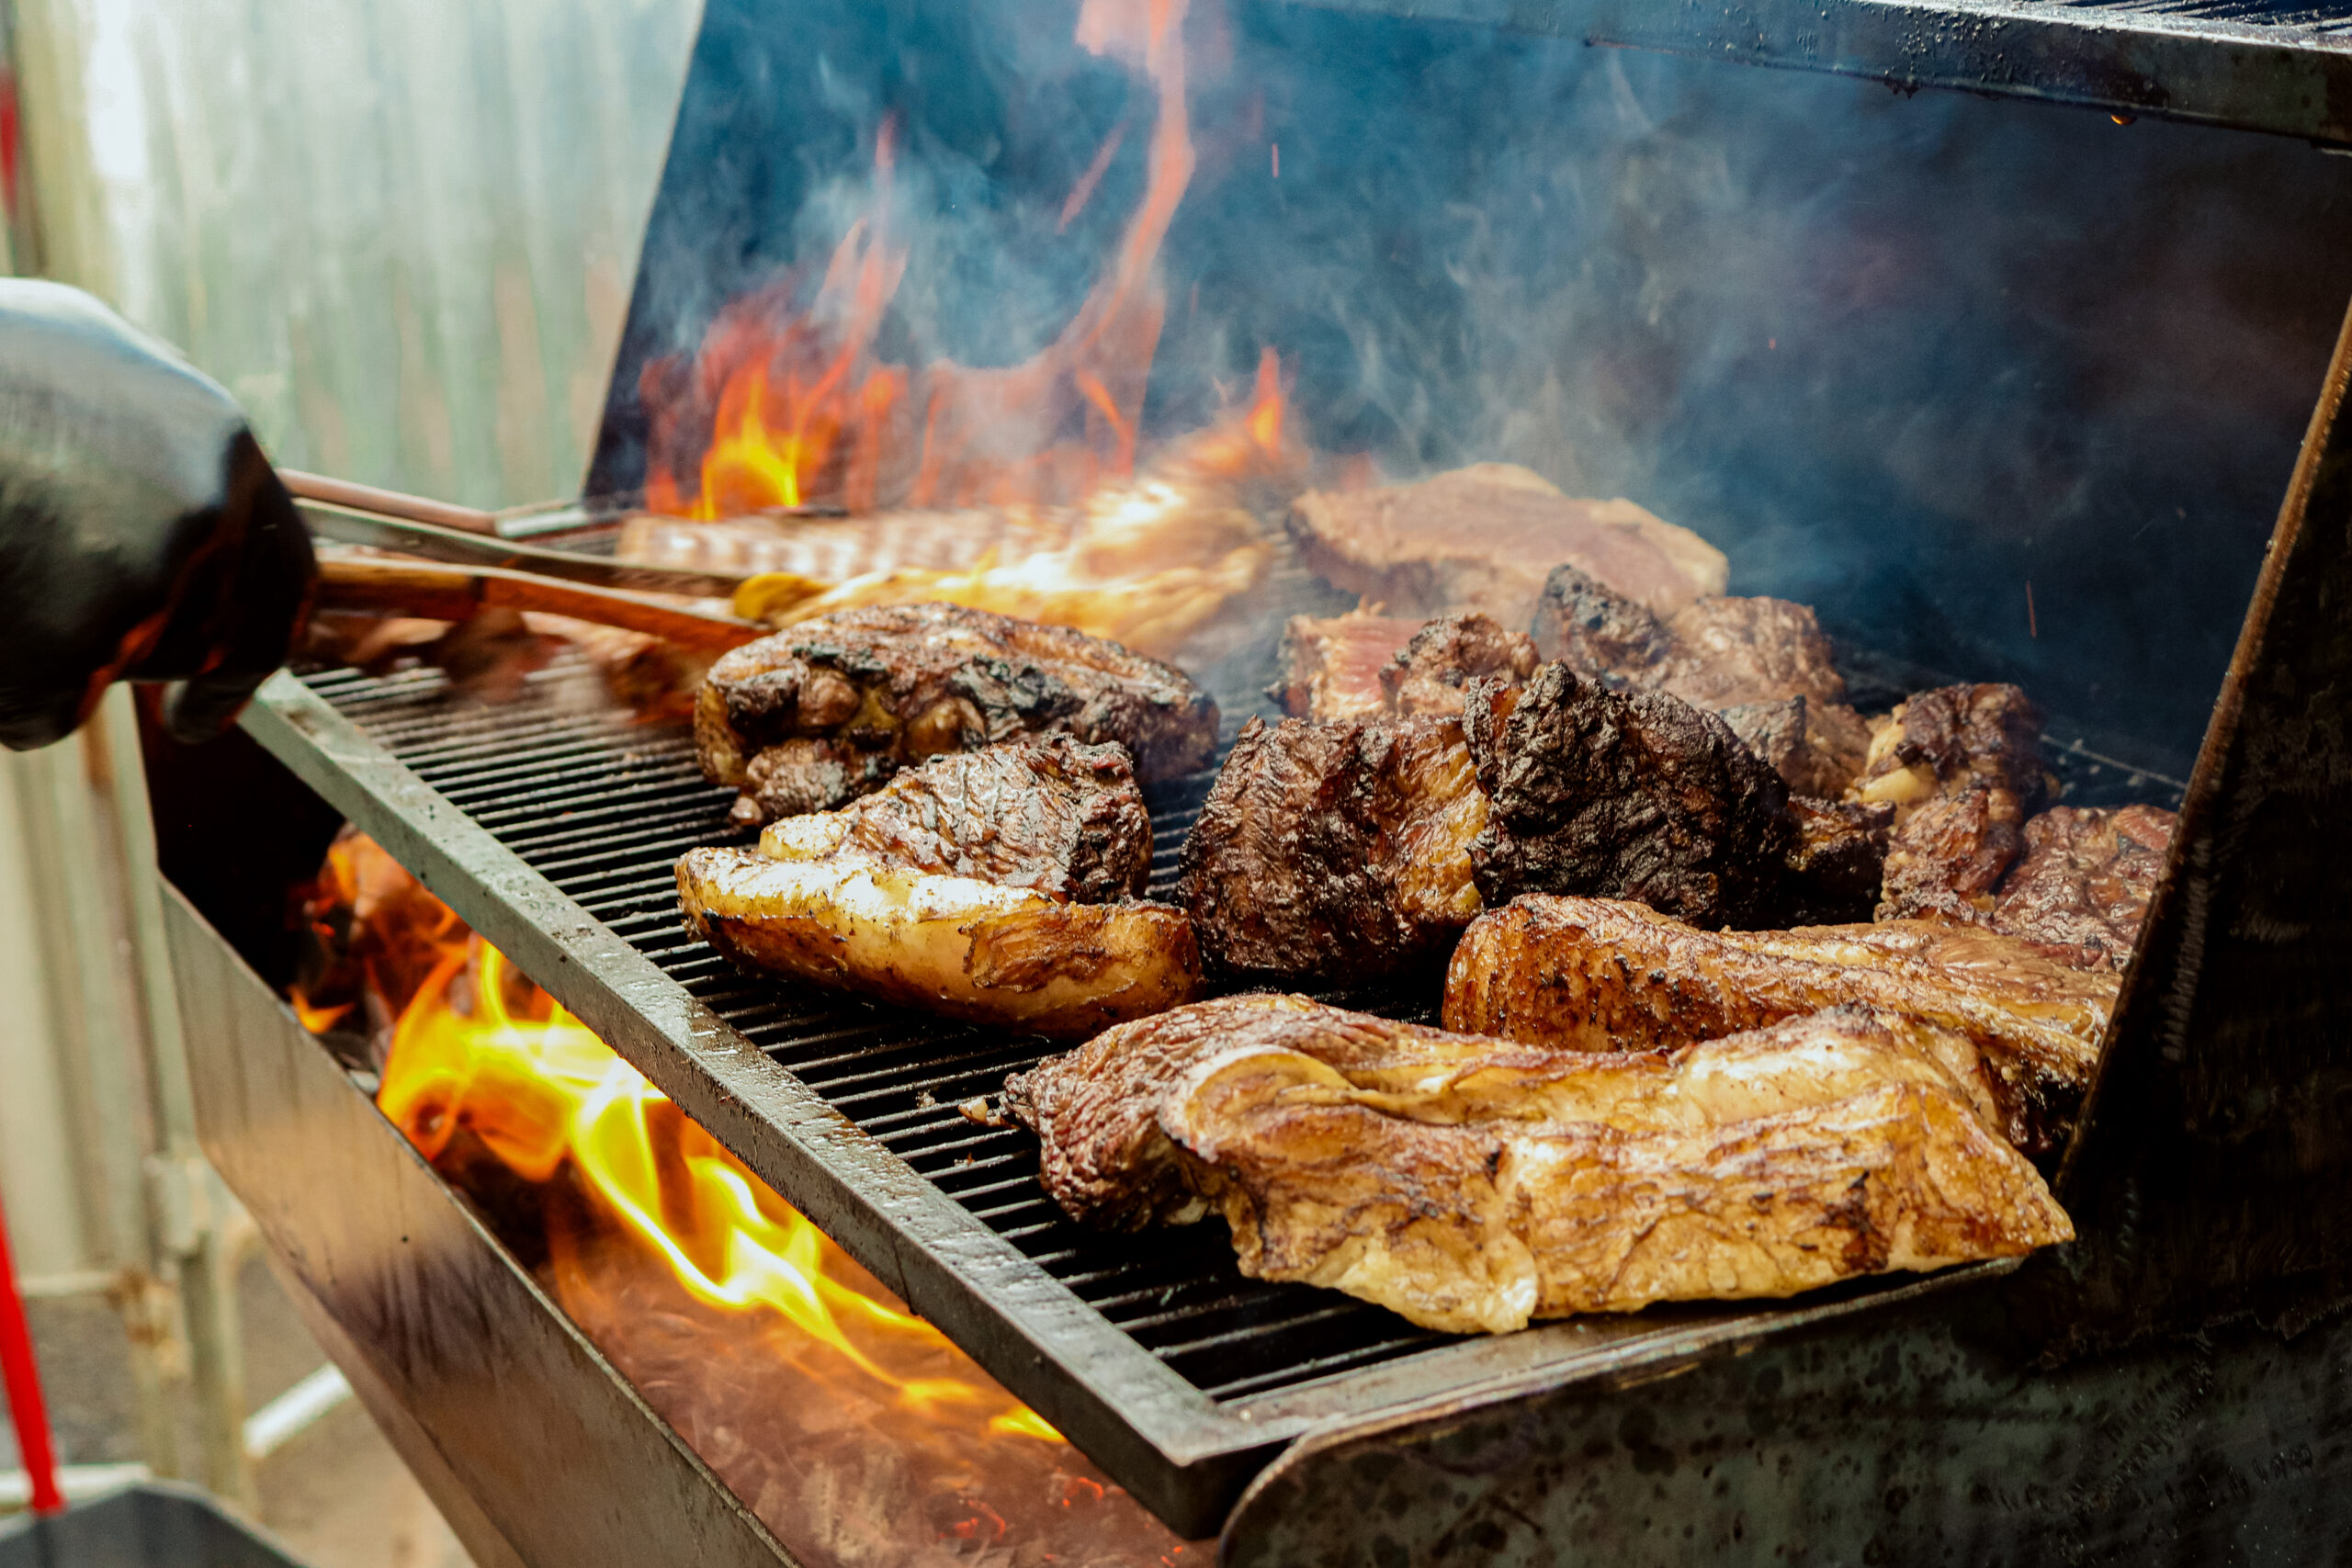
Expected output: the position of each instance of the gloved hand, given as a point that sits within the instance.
(143, 537)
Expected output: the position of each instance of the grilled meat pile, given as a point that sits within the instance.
(813, 718)
(1360, 666)
(1474, 1184)
(1598, 974)
(1000, 885)
(1335, 850)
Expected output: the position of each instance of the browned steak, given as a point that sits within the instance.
(831, 709)
(2082, 888)
(1335, 850)
(1483, 537)
(1623, 795)
(1835, 866)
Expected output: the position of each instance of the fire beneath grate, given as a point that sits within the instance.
(602, 807)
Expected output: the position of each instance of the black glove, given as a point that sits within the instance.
(143, 537)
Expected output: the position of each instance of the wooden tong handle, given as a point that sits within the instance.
(438, 592)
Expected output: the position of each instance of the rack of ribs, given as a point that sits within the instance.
(1000, 885)
(1473, 1184)
(1600, 974)
(815, 716)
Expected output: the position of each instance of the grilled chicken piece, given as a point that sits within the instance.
(815, 716)
(1472, 1185)
(1335, 850)
(1762, 663)
(1595, 974)
(1331, 668)
(1482, 537)
(1962, 767)
(2081, 890)
(997, 886)
(1623, 795)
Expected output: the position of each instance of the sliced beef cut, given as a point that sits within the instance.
(1331, 668)
(1483, 537)
(1623, 795)
(1598, 974)
(2082, 888)
(831, 709)
(1335, 851)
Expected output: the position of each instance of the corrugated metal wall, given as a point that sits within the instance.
(402, 231)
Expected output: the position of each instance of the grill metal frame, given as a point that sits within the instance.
(2279, 66)
(1183, 1453)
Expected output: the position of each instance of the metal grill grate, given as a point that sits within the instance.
(603, 808)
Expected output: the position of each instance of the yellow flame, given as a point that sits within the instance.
(536, 1090)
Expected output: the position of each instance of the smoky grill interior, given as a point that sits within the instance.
(602, 807)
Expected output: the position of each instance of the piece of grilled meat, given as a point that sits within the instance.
(2081, 889)
(1623, 795)
(1962, 767)
(1471, 1184)
(1360, 666)
(1335, 850)
(998, 885)
(1330, 667)
(1430, 673)
(825, 712)
(1762, 663)
(1598, 974)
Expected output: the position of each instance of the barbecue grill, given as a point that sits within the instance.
(1999, 1408)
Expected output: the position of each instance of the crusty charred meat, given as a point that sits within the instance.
(1335, 850)
(1623, 795)
(2081, 889)
(1600, 975)
(996, 886)
(1430, 672)
(1962, 767)
(1331, 668)
(1833, 868)
(1762, 663)
(1473, 1184)
(831, 709)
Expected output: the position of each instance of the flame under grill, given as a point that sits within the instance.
(603, 807)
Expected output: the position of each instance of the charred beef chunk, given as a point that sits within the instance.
(1335, 851)
(2082, 888)
(1623, 795)
(1597, 975)
(1429, 673)
(831, 709)
(1472, 1185)
(1961, 765)
(1835, 866)
(1331, 668)
(1482, 538)
(997, 886)
(1762, 663)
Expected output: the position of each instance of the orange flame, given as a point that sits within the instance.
(787, 409)
(538, 1089)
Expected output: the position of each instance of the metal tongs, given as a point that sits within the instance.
(469, 562)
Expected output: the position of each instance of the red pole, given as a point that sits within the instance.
(23, 1377)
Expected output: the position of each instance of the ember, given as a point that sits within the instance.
(723, 1304)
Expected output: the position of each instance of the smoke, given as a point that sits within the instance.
(1899, 357)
